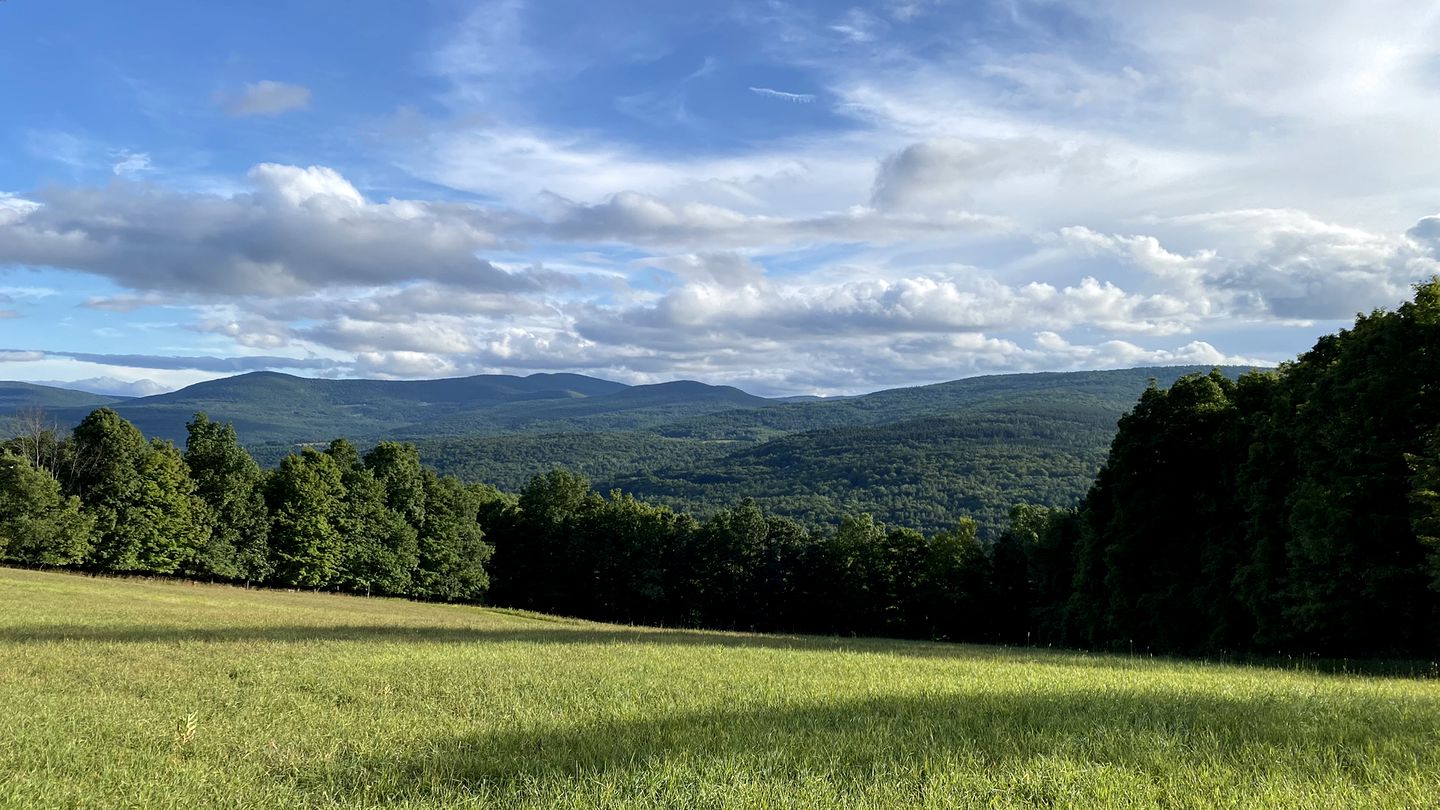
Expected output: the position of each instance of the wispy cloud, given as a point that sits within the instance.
(266, 98)
(129, 164)
(795, 98)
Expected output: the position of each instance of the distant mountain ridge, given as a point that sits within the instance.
(270, 407)
(919, 456)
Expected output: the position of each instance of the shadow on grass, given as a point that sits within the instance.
(543, 632)
(861, 745)
(566, 631)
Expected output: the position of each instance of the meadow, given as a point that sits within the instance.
(139, 693)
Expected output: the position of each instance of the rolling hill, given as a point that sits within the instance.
(17, 398)
(267, 407)
(920, 456)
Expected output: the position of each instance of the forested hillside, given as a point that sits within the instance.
(266, 407)
(919, 457)
(1292, 511)
(39, 403)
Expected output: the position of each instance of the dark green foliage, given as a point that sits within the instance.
(305, 496)
(271, 407)
(229, 481)
(38, 524)
(1425, 502)
(564, 549)
(1289, 511)
(533, 542)
(1168, 581)
(919, 457)
(452, 550)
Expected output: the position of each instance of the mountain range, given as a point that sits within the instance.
(919, 456)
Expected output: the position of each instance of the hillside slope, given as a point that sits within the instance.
(268, 407)
(919, 457)
(132, 693)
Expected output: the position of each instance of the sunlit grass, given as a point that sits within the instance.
(155, 694)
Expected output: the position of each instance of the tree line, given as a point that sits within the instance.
(106, 499)
(1294, 511)
(1288, 511)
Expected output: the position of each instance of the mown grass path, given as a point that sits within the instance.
(121, 693)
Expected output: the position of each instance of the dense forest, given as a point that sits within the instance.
(917, 456)
(1289, 511)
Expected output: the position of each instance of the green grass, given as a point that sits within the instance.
(118, 693)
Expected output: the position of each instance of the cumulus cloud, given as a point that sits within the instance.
(266, 98)
(299, 229)
(706, 315)
(948, 172)
(1141, 189)
(1277, 264)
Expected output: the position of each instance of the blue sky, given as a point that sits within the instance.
(788, 197)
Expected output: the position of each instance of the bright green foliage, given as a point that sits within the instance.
(140, 495)
(229, 481)
(38, 524)
(379, 548)
(397, 467)
(110, 452)
(305, 496)
(169, 520)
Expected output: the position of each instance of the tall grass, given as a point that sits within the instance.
(161, 694)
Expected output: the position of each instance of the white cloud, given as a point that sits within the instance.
(642, 219)
(797, 98)
(267, 98)
(300, 229)
(130, 164)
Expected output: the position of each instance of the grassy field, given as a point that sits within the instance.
(155, 694)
